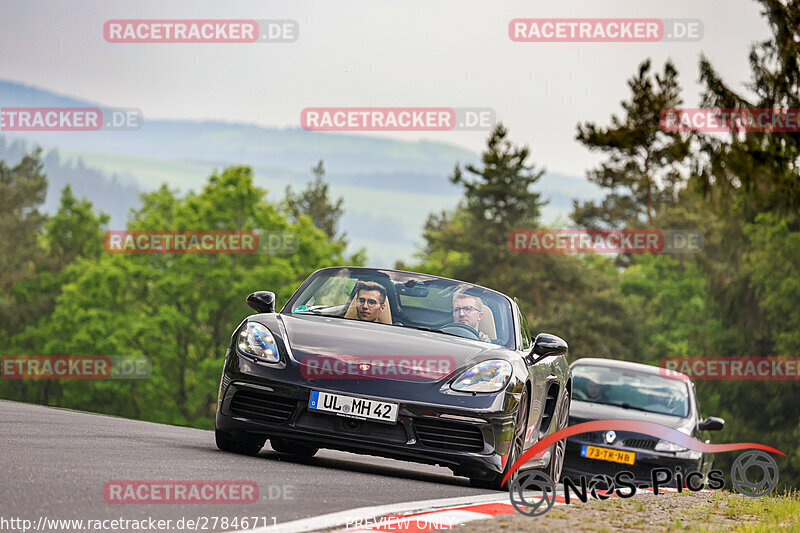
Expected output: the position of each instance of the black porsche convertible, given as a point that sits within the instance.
(396, 364)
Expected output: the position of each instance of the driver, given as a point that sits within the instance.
(469, 310)
(595, 391)
(370, 300)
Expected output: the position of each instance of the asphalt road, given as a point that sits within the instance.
(54, 463)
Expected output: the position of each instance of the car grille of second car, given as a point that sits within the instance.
(642, 444)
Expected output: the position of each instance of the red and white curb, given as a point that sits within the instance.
(414, 517)
(373, 515)
(444, 519)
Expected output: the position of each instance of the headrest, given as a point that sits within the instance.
(486, 324)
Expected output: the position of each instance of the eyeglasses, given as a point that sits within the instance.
(371, 301)
(467, 310)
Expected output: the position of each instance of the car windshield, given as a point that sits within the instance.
(408, 300)
(630, 389)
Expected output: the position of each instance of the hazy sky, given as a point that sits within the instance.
(453, 53)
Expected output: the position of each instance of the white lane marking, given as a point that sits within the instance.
(341, 518)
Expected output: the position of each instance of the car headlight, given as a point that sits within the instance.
(666, 446)
(488, 376)
(257, 341)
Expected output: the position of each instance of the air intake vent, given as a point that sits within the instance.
(586, 437)
(549, 409)
(644, 444)
(262, 407)
(449, 435)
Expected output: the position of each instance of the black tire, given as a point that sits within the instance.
(520, 429)
(227, 443)
(558, 451)
(292, 448)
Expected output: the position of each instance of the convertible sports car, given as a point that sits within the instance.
(396, 364)
(607, 389)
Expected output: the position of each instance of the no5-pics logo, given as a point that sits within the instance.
(533, 493)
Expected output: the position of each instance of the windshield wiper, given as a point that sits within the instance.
(423, 328)
(627, 406)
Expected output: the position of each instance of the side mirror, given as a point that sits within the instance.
(712, 423)
(262, 301)
(547, 345)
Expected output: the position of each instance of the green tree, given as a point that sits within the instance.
(315, 202)
(22, 192)
(178, 310)
(74, 231)
(576, 298)
(498, 197)
(748, 173)
(643, 170)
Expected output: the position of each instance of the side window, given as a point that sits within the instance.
(527, 339)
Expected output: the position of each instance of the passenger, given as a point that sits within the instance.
(469, 310)
(370, 300)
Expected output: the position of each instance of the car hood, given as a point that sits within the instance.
(392, 352)
(581, 411)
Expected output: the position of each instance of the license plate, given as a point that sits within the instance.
(606, 454)
(351, 407)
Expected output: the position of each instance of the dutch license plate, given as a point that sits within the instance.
(353, 407)
(606, 454)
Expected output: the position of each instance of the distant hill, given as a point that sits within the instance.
(108, 194)
(389, 186)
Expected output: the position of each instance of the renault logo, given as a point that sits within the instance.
(609, 436)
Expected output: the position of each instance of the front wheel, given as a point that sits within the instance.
(520, 429)
(227, 443)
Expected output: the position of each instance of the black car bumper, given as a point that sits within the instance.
(646, 460)
(469, 434)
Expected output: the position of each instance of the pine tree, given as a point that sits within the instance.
(315, 202)
(643, 171)
(754, 172)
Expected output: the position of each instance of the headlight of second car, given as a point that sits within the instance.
(488, 376)
(666, 446)
(257, 341)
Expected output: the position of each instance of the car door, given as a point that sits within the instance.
(539, 373)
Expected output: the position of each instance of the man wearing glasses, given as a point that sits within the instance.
(469, 310)
(370, 300)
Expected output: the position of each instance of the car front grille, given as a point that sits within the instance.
(262, 407)
(585, 437)
(449, 435)
(642, 444)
